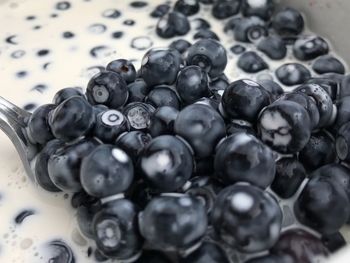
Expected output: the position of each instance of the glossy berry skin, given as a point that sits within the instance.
(162, 121)
(40, 170)
(288, 21)
(285, 126)
(273, 88)
(290, 173)
(85, 215)
(244, 212)
(310, 47)
(181, 45)
(208, 252)
(153, 256)
(166, 163)
(328, 64)
(64, 165)
(291, 74)
(82, 199)
(192, 84)
(137, 90)
(123, 67)
(188, 8)
(251, 62)
(66, 93)
(38, 129)
(223, 9)
(264, 11)
(236, 126)
(172, 24)
(72, 119)
(244, 99)
(107, 88)
(138, 115)
(231, 24)
(163, 95)
(109, 125)
(272, 258)
(343, 142)
(173, 221)
(243, 158)
(331, 86)
(208, 54)
(160, 10)
(106, 171)
(246, 29)
(323, 205)
(200, 23)
(202, 127)
(160, 66)
(218, 84)
(205, 34)
(273, 47)
(334, 242)
(115, 230)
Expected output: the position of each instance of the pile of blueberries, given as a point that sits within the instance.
(172, 163)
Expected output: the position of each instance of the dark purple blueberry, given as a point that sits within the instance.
(246, 218)
(310, 47)
(290, 173)
(163, 95)
(334, 242)
(160, 66)
(237, 126)
(97, 109)
(219, 84)
(107, 88)
(124, 67)
(173, 221)
(162, 121)
(192, 84)
(153, 256)
(166, 163)
(244, 99)
(223, 9)
(66, 93)
(319, 151)
(328, 64)
(115, 230)
(160, 10)
(243, 158)
(272, 87)
(201, 126)
(342, 143)
(288, 21)
(64, 165)
(263, 9)
(71, 119)
(273, 47)
(58, 251)
(205, 34)
(271, 258)
(285, 126)
(106, 171)
(180, 45)
(323, 205)
(141, 194)
(200, 23)
(85, 215)
(291, 74)
(138, 115)
(173, 24)
(138, 91)
(237, 49)
(250, 29)
(208, 54)
(251, 62)
(187, 7)
(208, 252)
(38, 129)
(331, 86)
(82, 199)
(109, 125)
(41, 170)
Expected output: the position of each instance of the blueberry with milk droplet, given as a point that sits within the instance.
(291, 74)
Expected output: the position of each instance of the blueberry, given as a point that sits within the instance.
(107, 88)
(219, 84)
(153, 256)
(106, 171)
(262, 9)
(343, 112)
(138, 115)
(334, 242)
(200, 23)
(124, 67)
(288, 21)
(231, 24)
(310, 47)
(327, 64)
(64, 165)
(323, 205)
(180, 45)
(163, 95)
(160, 10)
(162, 121)
(291, 74)
(187, 7)
(271, 258)
(320, 150)
(109, 125)
(173, 24)
(41, 170)
(290, 173)
(138, 91)
(99, 257)
(66, 93)
(82, 199)
(285, 126)
(38, 129)
(329, 85)
(192, 84)
(244, 99)
(160, 66)
(115, 230)
(208, 252)
(208, 54)
(133, 143)
(238, 49)
(272, 87)
(273, 47)
(247, 218)
(201, 126)
(99, 108)
(207, 2)
(141, 194)
(223, 9)
(344, 85)
(250, 29)
(238, 126)
(59, 251)
(71, 119)
(173, 221)
(166, 163)
(85, 216)
(342, 144)
(243, 158)
(251, 62)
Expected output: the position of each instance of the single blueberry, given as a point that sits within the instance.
(291, 74)
(66, 93)
(263, 9)
(288, 21)
(273, 47)
(160, 10)
(163, 95)
(173, 24)
(223, 9)
(187, 7)
(250, 29)
(137, 90)
(310, 47)
(328, 64)
(251, 62)
(162, 121)
(125, 68)
(180, 45)
(205, 34)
